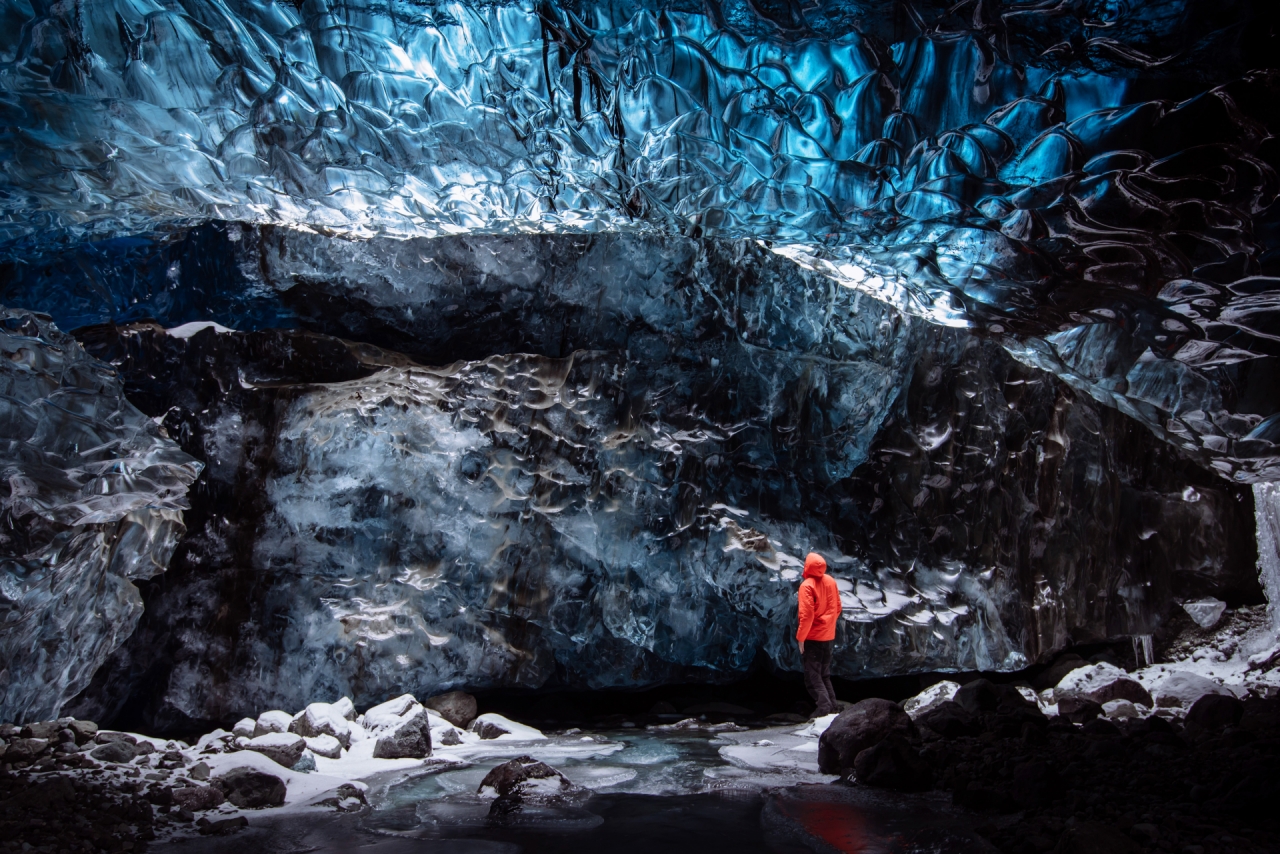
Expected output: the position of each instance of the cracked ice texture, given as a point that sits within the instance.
(1036, 169)
(629, 505)
(93, 502)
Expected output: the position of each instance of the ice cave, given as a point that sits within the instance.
(439, 426)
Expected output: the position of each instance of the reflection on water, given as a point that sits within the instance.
(671, 792)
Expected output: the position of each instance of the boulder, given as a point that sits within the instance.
(1205, 612)
(106, 737)
(950, 720)
(863, 725)
(306, 764)
(283, 748)
(28, 749)
(324, 745)
(457, 707)
(402, 728)
(930, 698)
(115, 751)
(245, 728)
(488, 729)
(1211, 714)
(324, 719)
(44, 729)
(248, 788)
(198, 798)
(1102, 683)
(450, 738)
(84, 730)
(1079, 710)
(892, 764)
(1181, 689)
(199, 771)
(1120, 710)
(525, 780)
(273, 721)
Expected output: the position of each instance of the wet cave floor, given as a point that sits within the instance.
(660, 793)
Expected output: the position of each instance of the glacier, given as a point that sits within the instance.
(633, 507)
(93, 502)
(528, 344)
(1095, 186)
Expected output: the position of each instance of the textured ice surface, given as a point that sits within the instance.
(92, 501)
(630, 506)
(1266, 502)
(1093, 181)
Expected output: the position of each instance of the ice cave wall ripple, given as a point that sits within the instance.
(1058, 176)
(630, 506)
(92, 502)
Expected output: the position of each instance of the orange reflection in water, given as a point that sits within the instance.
(838, 825)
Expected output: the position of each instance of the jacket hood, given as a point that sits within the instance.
(814, 565)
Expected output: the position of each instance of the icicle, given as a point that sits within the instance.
(1266, 504)
(1143, 650)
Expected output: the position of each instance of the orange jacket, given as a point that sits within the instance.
(819, 602)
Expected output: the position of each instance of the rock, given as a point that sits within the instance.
(222, 827)
(1205, 612)
(982, 695)
(245, 728)
(930, 698)
(1035, 784)
(950, 720)
(1211, 714)
(28, 749)
(324, 719)
(488, 729)
(402, 728)
(1079, 710)
(324, 745)
(526, 780)
(283, 748)
(457, 707)
(248, 788)
(451, 738)
(115, 751)
(273, 721)
(864, 725)
(1102, 683)
(892, 764)
(108, 737)
(408, 740)
(1120, 710)
(1092, 837)
(1181, 689)
(199, 771)
(43, 729)
(198, 798)
(306, 764)
(1101, 728)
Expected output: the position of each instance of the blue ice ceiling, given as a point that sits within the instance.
(1090, 182)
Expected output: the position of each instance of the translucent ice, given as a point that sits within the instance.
(93, 502)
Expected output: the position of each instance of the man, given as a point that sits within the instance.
(819, 609)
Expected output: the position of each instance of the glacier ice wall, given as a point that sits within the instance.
(1093, 181)
(629, 506)
(92, 502)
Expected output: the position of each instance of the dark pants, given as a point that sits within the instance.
(817, 675)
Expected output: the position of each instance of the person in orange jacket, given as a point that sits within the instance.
(819, 609)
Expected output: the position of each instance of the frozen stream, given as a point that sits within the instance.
(653, 791)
